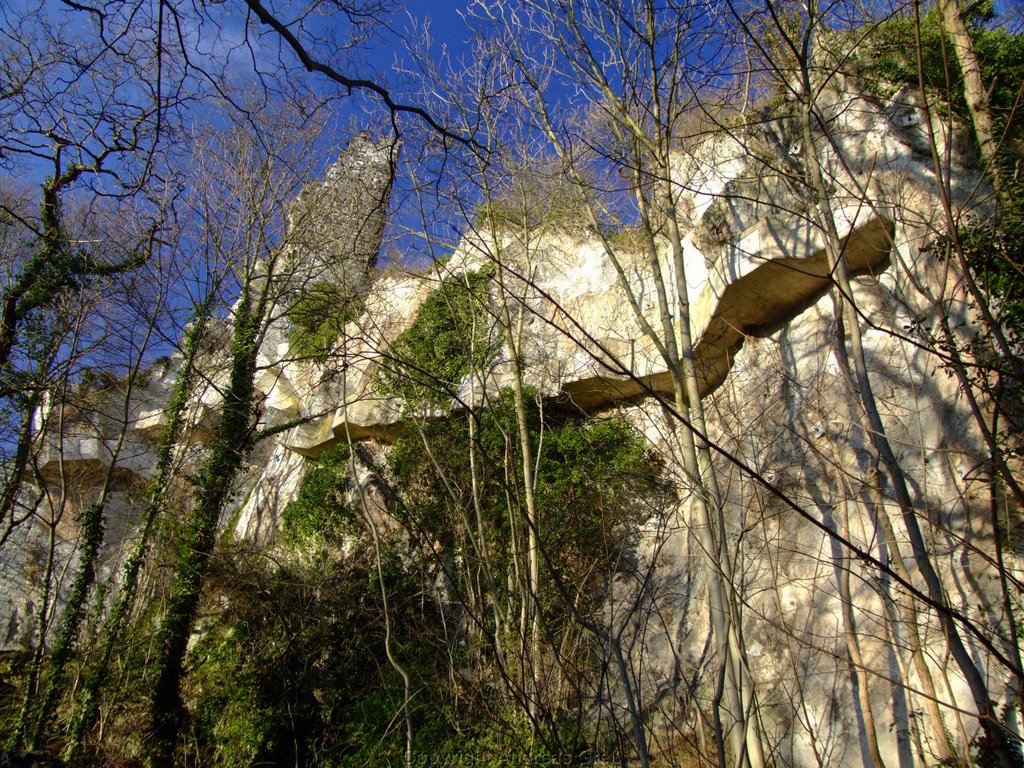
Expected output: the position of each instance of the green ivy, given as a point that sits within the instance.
(320, 510)
(590, 481)
(450, 337)
(291, 667)
(318, 318)
(996, 256)
(891, 55)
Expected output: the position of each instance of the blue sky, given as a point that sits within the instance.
(223, 31)
(218, 29)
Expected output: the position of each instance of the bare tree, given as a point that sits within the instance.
(245, 183)
(812, 64)
(640, 93)
(975, 90)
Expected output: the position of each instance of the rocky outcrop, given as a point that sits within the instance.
(792, 453)
(336, 225)
(794, 456)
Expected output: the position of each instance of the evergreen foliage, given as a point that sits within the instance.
(318, 318)
(995, 253)
(289, 671)
(320, 512)
(450, 337)
(994, 248)
(891, 55)
(590, 481)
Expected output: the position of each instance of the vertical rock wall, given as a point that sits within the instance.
(797, 468)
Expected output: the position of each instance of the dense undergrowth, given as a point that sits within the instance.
(291, 666)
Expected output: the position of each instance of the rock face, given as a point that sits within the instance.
(792, 454)
(336, 225)
(334, 234)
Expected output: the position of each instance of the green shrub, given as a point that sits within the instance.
(996, 257)
(891, 55)
(320, 510)
(591, 477)
(318, 318)
(450, 337)
(290, 668)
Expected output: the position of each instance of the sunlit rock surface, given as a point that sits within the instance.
(779, 409)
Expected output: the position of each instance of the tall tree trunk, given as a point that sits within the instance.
(745, 705)
(704, 493)
(92, 523)
(975, 93)
(87, 708)
(943, 748)
(214, 489)
(16, 469)
(385, 603)
(529, 494)
(858, 672)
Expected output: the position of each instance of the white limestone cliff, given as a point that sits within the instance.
(779, 409)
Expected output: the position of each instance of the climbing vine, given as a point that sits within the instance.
(318, 318)
(450, 337)
(320, 509)
(591, 479)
